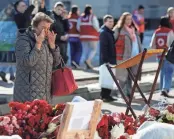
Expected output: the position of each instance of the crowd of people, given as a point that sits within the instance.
(124, 41)
(41, 45)
(43, 37)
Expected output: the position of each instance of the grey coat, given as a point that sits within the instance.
(122, 74)
(34, 68)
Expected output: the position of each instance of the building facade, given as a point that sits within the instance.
(153, 8)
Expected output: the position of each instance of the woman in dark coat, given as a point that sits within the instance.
(36, 56)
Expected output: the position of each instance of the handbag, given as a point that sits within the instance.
(63, 82)
(105, 78)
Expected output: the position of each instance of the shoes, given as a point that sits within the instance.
(88, 65)
(12, 78)
(75, 65)
(108, 99)
(165, 94)
(2, 75)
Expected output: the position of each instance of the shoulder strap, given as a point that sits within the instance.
(119, 30)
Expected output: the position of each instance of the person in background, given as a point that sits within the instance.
(23, 14)
(107, 50)
(128, 45)
(7, 13)
(138, 18)
(88, 26)
(61, 27)
(36, 56)
(74, 37)
(6, 56)
(163, 38)
(170, 13)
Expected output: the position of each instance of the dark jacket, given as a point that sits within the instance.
(34, 68)
(23, 20)
(60, 25)
(107, 46)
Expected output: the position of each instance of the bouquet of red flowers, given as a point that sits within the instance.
(32, 117)
(164, 116)
(30, 120)
(115, 125)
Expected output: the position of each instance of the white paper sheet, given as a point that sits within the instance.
(81, 115)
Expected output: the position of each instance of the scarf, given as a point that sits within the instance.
(131, 32)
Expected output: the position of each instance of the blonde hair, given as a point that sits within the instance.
(170, 9)
(122, 20)
(40, 17)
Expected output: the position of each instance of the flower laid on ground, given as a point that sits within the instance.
(117, 131)
(38, 119)
(164, 116)
(8, 125)
(58, 109)
(31, 119)
(115, 125)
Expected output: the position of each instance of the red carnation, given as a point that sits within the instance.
(31, 121)
(27, 137)
(142, 119)
(153, 112)
(102, 127)
(131, 130)
(122, 137)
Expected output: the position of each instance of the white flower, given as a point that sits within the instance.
(96, 136)
(117, 131)
(51, 128)
(160, 120)
(164, 112)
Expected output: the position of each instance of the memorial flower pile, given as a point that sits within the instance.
(38, 119)
(29, 120)
(120, 126)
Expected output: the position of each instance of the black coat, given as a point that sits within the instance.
(107, 46)
(60, 26)
(23, 20)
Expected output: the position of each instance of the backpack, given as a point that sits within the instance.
(170, 53)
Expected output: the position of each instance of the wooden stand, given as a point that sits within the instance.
(64, 133)
(138, 60)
